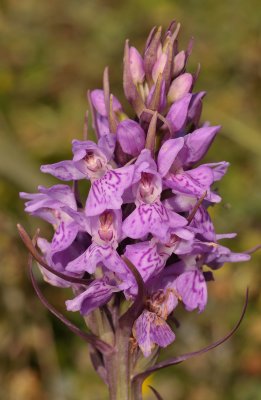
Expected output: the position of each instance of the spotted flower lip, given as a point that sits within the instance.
(132, 228)
(151, 330)
(107, 191)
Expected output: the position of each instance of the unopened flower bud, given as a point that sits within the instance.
(131, 137)
(179, 62)
(136, 66)
(179, 87)
(97, 97)
(150, 55)
(159, 66)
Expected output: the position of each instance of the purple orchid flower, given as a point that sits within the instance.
(51, 204)
(90, 161)
(138, 240)
(106, 232)
(150, 215)
(150, 330)
(176, 155)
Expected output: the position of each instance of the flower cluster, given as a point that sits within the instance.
(148, 197)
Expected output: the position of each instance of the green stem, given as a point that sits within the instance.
(118, 368)
(123, 366)
(136, 391)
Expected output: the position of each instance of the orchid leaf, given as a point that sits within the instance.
(154, 391)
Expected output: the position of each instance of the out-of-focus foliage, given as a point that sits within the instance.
(51, 52)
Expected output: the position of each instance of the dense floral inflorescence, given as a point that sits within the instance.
(148, 200)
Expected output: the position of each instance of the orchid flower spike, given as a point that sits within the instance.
(139, 242)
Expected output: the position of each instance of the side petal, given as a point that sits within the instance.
(197, 144)
(63, 170)
(79, 217)
(60, 193)
(222, 254)
(202, 175)
(192, 288)
(180, 203)
(220, 236)
(192, 184)
(219, 169)
(184, 233)
(38, 201)
(64, 236)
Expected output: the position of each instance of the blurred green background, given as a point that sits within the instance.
(51, 52)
